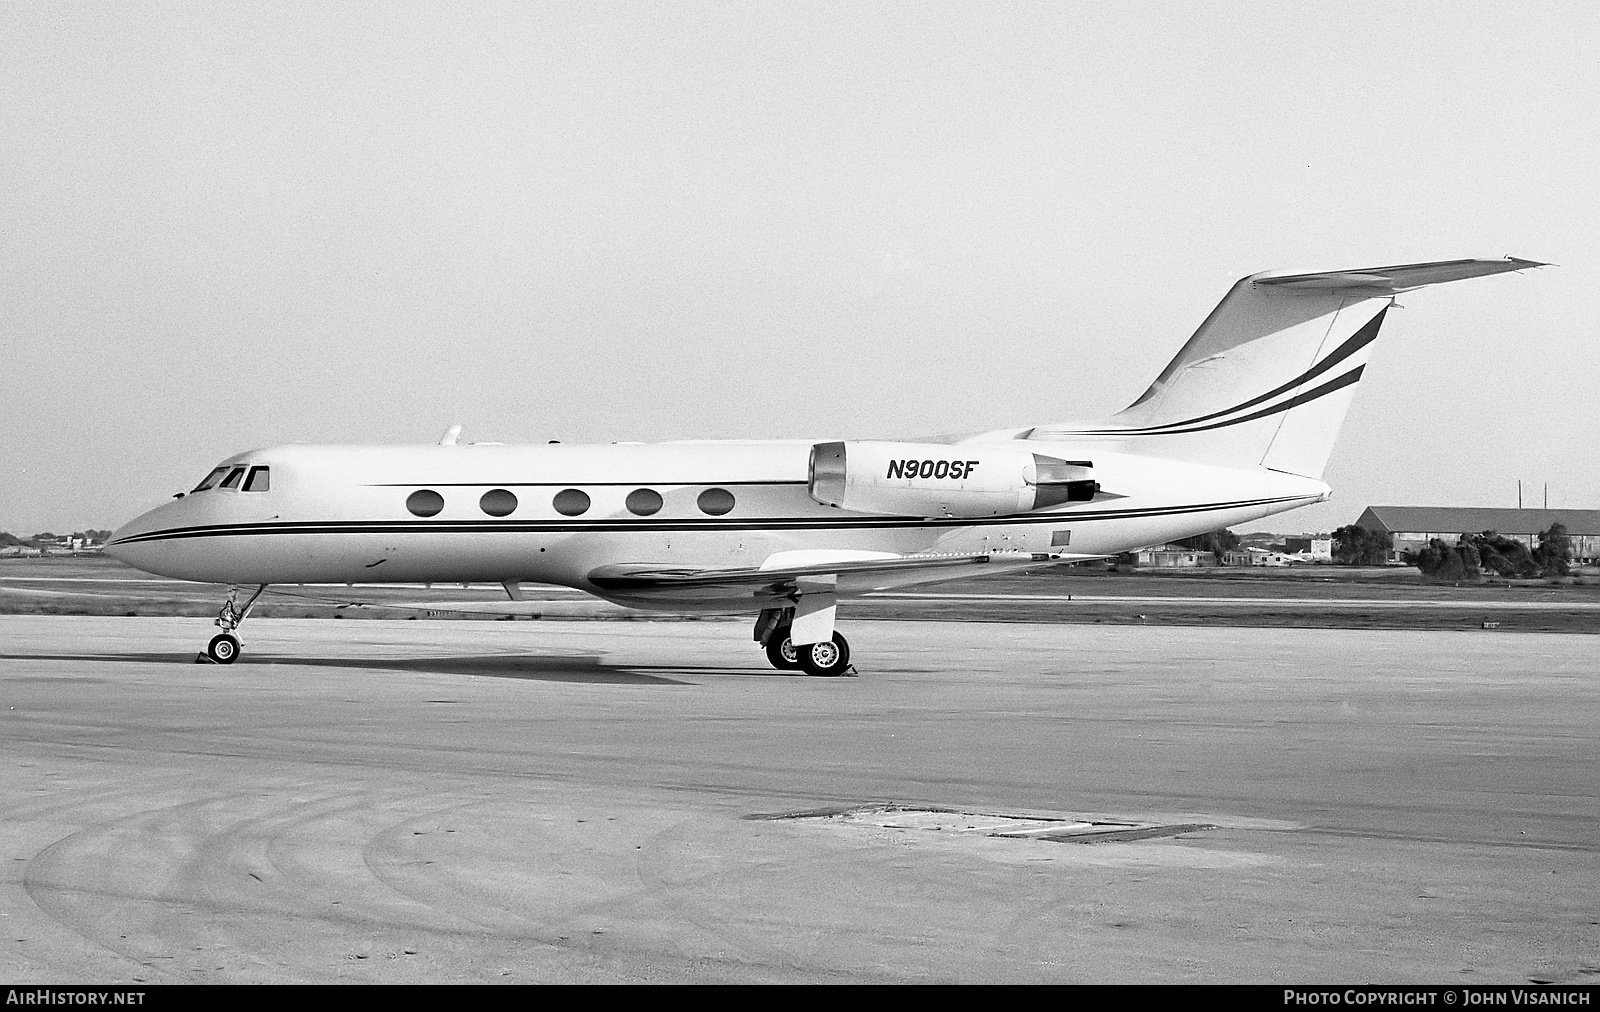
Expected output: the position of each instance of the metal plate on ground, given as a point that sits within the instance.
(1063, 829)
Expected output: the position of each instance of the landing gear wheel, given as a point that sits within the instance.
(223, 648)
(826, 659)
(780, 652)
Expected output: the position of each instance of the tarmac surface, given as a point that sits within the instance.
(416, 801)
(1291, 597)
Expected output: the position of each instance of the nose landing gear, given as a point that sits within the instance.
(224, 647)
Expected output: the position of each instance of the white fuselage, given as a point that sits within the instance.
(340, 514)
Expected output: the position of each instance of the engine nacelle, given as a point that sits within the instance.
(935, 480)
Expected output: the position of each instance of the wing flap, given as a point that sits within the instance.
(646, 577)
(781, 582)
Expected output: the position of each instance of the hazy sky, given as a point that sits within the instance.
(229, 226)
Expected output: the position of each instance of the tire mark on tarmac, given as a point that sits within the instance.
(84, 881)
(391, 861)
(658, 869)
(210, 874)
(560, 885)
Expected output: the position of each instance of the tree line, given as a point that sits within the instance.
(1477, 554)
(1471, 558)
(1354, 545)
(46, 538)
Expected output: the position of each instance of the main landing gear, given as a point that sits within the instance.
(224, 646)
(826, 659)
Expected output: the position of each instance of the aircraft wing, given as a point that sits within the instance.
(490, 600)
(776, 582)
(786, 574)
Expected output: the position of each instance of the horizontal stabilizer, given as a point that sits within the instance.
(1399, 278)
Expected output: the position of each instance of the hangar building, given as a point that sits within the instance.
(1412, 527)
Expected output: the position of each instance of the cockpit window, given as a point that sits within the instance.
(211, 479)
(232, 480)
(260, 479)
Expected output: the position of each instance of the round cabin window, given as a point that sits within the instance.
(425, 502)
(643, 501)
(497, 502)
(716, 501)
(570, 502)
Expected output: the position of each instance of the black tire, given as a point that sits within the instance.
(223, 648)
(780, 652)
(827, 659)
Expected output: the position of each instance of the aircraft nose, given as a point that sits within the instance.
(124, 544)
(117, 545)
(154, 543)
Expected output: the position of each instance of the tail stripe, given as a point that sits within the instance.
(1360, 339)
(1227, 399)
(1306, 398)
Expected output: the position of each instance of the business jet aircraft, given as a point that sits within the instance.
(1237, 427)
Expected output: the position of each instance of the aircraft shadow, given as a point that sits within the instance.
(563, 668)
(567, 668)
(115, 658)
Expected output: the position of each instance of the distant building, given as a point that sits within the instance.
(1267, 557)
(1173, 557)
(1309, 549)
(1412, 527)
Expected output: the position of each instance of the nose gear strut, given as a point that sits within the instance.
(224, 647)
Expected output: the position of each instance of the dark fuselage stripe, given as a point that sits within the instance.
(575, 484)
(621, 526)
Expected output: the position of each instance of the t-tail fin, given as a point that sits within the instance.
(1269, 375)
